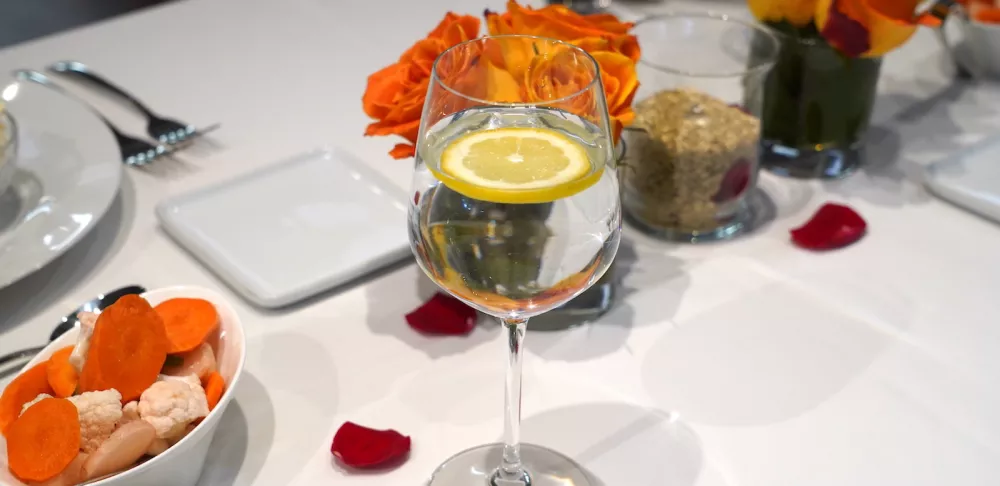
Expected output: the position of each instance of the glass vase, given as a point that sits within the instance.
(693, 147)
(816, 108)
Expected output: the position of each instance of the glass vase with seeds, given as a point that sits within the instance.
(515, 211)
(694, 145)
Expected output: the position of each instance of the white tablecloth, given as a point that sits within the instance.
(742, 363)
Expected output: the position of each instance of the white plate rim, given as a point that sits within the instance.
(99, 179)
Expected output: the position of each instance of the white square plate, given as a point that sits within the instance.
(294, 229)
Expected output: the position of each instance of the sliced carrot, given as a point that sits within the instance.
(215, 385)
(44, 440)
(127, 350)
(61, 374)
(23, 389)
(188, 322)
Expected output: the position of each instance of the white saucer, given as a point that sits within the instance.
(294, 229)
(68, 171)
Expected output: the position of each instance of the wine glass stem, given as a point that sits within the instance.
(511, 469)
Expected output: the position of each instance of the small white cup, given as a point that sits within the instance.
(981, 42)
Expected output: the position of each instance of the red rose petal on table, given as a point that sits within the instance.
(735, 181)
(361, 447)
(443, 314)
(833, 226)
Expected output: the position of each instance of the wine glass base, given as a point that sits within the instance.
(476, 467)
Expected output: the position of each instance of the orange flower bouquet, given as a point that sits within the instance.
(394, 97)
(819, 97)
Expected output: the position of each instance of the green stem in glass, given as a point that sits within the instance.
(815, 97)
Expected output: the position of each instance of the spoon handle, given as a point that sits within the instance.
(20, 355)
(81, 71)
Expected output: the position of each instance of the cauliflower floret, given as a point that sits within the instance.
(170, 405)
(37, 399)
(100, 412)
(191, 380)
(130, 412)
(79, 356)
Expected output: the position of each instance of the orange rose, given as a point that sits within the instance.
(395, 94)
(559, 22)
(797, 12)
(867, 28)
(602, 35)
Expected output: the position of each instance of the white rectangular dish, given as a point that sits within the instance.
(293, 229)
(970, 179)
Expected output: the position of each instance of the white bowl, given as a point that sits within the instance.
(181, 465)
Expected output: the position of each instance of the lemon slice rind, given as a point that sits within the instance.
(575, 177)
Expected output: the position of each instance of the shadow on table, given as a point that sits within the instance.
(621, 444)
(394, 295)
(774, 353)
(639, 268)
(37, 292)
(239, 450)
(892, 174)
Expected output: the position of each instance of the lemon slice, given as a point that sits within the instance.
(516, 165)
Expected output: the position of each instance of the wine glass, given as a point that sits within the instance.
(521, 247)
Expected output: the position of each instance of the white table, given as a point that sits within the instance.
(745, 363)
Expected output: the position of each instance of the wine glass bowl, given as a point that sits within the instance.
(515, 209)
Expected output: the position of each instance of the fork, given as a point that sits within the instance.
(135, 152)
(166, 130)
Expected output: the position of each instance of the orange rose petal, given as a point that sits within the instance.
(867, 28)
(382, 86)
(891, 23)
(394, 96)
(621, 69)
(990, 15)
(465, 28)
(438, 32)
(501, 85)
(797, 12)
(406, 130)
(403, 151)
